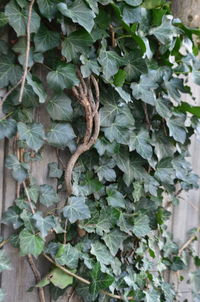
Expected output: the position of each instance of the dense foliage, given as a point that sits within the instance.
(111, 230)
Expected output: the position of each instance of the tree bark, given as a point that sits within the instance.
(188, 11)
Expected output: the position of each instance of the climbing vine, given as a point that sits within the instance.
(110, 77)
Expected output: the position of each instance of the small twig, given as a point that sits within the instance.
(187, 243)
(112, 36)
(37, 277)
(4, 242)
(82, 279)
(65, 233)
(28, 197)
(147, 116)
(28, 33)
(11, 90)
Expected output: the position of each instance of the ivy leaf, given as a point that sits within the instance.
(164, 171)
(124, 163)
(60, 135)
(145, 89)
(67, 255)
(99, 280)
(34, 192)
(76, 209)
(44, 225)
(177, 128)
(63, 77)
(9, 72)
(132, 15)
(89, 67)
(79, 12)
(47, 8)
(166, 31)
(33, 134)
(141, 226)
(115, 198)
(18, 17)
(8, 128)
(30, 243)
(114, 241)
(77, 42)
(4, 262)
(152, 296)
(105, 170)
(45, 39)
(140, 143)
(19, 170)
(110, 62)
(120, 78)
(54, 171)
(59, 278)
(37, 88)
(59, 108)
(3, 19)
(135, 65)
(48, 195)
(101, 252)
(12, 216)
(133, 2)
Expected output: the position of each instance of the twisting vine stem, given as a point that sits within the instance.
(83, 93)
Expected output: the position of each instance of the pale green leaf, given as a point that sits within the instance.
(44, 224)
(33, 134)
(67, 255)
(48, 195)
(4, 262)
(141, 226)
(141, 143)
(8, 128)
(30, 243)
(54, 171)
(37, 88)
(114, 241)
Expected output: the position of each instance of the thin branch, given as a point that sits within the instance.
(28, 33)
(4, 242)
(11, 90)
(187, 243)
(37, 277)
(28, 197)
(82, 279)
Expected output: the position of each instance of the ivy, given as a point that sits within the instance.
(108, 77)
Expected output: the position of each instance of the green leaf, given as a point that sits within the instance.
(152, 296)
(76, 209)
(60, 135)
(166, 31)
(44, 225)
(19, 170)
(195, 277)
(120, 78)
(89, 67)
(8, 128)
(105, 170)
(99, 280)
(135, 65)
(54, 171)
(33, 134)
(114, 241)
(48, 195)
(79, 12)
(34, 192)
(152, 3)
(3, 19)
(115, 199)
(141, 143)
(67, 255)
(12, 216)
(132, 15)
(10, 73)
(124, 163)
(177, 264)
(141, 226)
(18, 17)
(47, 8)
(101, 252)
(30, 243)
(185, 107)
(177, 128)
(77, 42)
(37, 88)
(133, 2)
(60, 279)
(4, 262)
(45, 39)
(63, 77)
(59, 108)
(110, 62)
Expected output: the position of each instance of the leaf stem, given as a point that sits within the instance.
(187, 243)
(27, 50)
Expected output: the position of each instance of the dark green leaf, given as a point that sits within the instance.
(8, 128)
(59, 108)
(4, 262)
(10, 73)
(141, 226)
(76, 209)
(141, 143)
(67, 255)
(60, 135)
(37, 88)
(33, 134)
(47, 8)
(114, 241)
(3, 19)
(48, 195)
(45, 39)
(19, 170)
(79, 12)
(44, 225)
(63, 77)
(54, 171)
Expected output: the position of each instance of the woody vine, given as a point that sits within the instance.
(111, 78)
